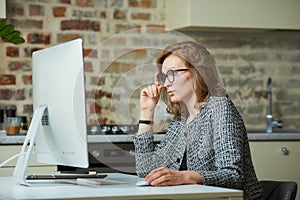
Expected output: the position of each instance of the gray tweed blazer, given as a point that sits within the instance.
(216, 145)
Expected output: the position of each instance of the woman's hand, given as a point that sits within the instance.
(163, 176)
(149, 97)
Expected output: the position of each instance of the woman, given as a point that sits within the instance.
(207, 142)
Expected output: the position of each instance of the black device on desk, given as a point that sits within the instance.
(64, 176)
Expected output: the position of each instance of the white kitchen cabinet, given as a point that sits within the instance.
(233, 14)
(277, 160)
(2, 9)
(6, 151)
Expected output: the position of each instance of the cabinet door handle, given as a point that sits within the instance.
(284, 151)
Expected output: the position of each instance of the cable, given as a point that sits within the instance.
(11, 158)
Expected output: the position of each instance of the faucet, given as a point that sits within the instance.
(270, 122)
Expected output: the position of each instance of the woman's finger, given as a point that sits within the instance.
(156, 80)
(156, 173)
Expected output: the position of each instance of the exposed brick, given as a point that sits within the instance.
(59, 11)
(20, 94)
(140, 16)
(80, 25)
(154, 28)
(128, 67)
(89, 94)
(100, 80)
(15, 66)
(7, 79)
(141, 3)
(6, 94)
(27, 79)
(28, 51)
(100, 94)
(12, 51)
(85, 14)
(118, 14)
(86, 52)
(96, 80)
(26, 23)
(92, 121)
(102, 14)
(103, 120)
(35, 10)
(15, 9)
(67, 37)
(65, 1)
(24, 66)
(135, 54)
(84, 3)
(27, 108)
(91, 53)
(105, 53)
(116, 3)
(139, 52)
(122, 27)
(38, 38)
(134, 3)
(291, 57)
(147, 3)
(114, 67)
(95, 108)
(117, 41)
(88, 66)
(245, 61)
(261, 94)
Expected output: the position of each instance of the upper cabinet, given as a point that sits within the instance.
(233, 14)
(2, 9)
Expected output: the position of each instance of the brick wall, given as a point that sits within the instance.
(120, 45)
(247, 61)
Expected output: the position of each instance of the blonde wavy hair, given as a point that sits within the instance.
(206, 78)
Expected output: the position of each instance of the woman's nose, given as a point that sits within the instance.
(167, 83)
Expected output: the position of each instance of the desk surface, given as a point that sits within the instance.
(9, 190)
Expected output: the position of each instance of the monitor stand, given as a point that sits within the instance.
(20, 172)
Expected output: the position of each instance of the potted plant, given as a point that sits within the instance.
(9, 34)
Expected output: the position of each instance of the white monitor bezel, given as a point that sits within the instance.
(59, 94)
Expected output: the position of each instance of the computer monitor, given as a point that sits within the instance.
(58, 127)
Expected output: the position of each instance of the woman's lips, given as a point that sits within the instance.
(170, 93)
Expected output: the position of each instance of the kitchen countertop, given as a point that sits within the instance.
(274, 136)
(254, 135)
(19, 139)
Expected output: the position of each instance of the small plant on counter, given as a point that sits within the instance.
(9, 34)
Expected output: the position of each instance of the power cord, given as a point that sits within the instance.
(11, 158)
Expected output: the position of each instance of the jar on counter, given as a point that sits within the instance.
(24, 125)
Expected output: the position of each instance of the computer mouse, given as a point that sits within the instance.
(142, 182)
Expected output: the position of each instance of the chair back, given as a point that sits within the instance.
(279, 190)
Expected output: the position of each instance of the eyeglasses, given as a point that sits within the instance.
(170, 75)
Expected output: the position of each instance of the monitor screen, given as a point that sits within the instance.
(58, 127)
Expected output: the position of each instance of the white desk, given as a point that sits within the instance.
(8, 190)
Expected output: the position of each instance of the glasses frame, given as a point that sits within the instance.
(162, 77)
